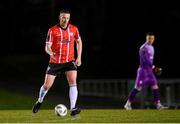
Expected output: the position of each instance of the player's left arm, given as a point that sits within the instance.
(79, 51)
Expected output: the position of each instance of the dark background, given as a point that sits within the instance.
(111, 32)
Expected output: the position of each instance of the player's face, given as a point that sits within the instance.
(150, 39)
(64, 19)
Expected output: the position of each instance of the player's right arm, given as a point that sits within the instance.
(48, 45)
(48, 49)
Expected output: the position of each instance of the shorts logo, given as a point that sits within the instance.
(75, 65)
(48, 68)
(140, 82)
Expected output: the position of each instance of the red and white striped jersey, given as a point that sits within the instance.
(62, 41)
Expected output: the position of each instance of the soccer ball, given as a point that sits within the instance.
(60, 110)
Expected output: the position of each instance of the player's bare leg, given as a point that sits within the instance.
(156, 95)
(73, 92)
(131, 97)
(48, 82)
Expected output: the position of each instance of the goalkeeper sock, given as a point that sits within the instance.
(132, 95)
(156, 96)
(73, 93)
(42, 94)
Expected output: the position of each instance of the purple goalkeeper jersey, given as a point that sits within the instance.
(145, 75)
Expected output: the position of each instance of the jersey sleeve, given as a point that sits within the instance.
(77, 36)
(49, 38)
(145, 58)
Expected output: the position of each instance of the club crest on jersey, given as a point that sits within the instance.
(71, 34)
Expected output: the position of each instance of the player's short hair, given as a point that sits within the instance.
(149, 34)
(64, 11)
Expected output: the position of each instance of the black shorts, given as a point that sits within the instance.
(55, 69)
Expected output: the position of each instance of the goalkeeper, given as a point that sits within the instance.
(146, 73)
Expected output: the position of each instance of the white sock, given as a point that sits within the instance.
(42, 94)
(158, 104)
(73, 93)
(128, 103)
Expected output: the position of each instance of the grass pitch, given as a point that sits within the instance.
(92, 116)
(16, 108)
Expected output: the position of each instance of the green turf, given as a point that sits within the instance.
(16, 108)
(10, 100)
(92, 116)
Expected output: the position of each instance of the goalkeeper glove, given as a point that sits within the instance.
(157, 70)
